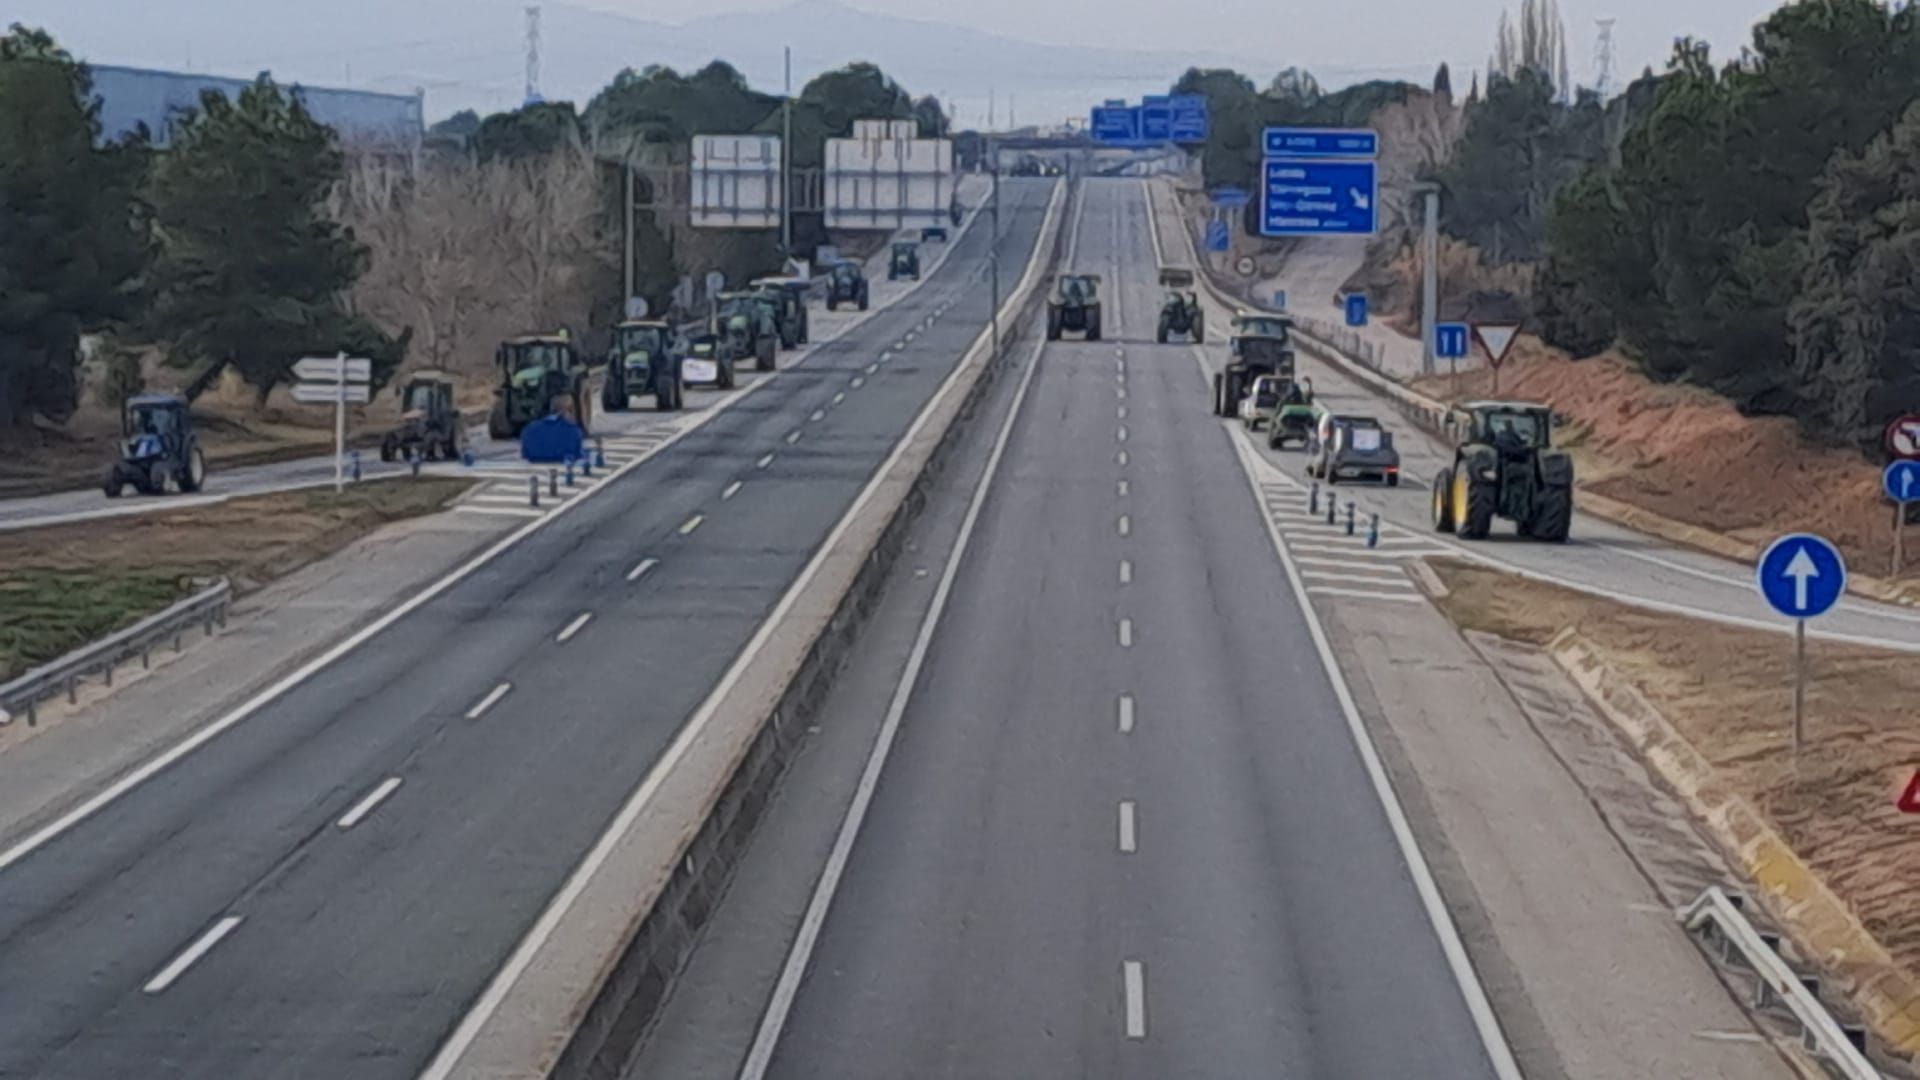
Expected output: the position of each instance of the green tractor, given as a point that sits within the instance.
(644, 358)
(1259, 344)
(1074, 305)
(1180, 312)
(788, 298)
(159, 450)
(744, 321)
(1504, 466)
(904, 261)
(538, 374)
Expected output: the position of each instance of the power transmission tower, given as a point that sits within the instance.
(1603, 59)
(533, 54)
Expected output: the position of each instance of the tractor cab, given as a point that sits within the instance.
(158, 449)
(1504, 466)
(539, 373)
(1251, 324)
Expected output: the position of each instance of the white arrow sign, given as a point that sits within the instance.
(328, 393)
(1360, 199)
(1497, 338)
(1801, 569)
(329, 369)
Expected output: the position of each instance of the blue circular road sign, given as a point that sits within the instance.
(1802, 575)
(1902, 480)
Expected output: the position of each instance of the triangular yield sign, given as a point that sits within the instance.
(1497, 338)
(1910, 799)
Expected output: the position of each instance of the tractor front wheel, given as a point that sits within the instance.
(1053, 324)
(1093, 325)
(113, 485)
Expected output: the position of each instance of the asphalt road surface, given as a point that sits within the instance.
(322, 889)
(1124, 830)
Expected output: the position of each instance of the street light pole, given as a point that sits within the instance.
(1429, 272)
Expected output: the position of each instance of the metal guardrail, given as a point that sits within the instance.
(1716, 916)
(206, 608)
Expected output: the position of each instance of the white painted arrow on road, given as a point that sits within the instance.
(1800, 569)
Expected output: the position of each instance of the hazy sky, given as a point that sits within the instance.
(1388, 35)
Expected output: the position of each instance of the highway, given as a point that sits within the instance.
(1123, 827)
(322, 886)
(1600, 557)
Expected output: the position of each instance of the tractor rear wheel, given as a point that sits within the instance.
(1552, 516)
(1473, 505)
(1160, 333)
(1443, 501)
(1199, 328)
(113, 484)
(766, 360)
(1053, 324)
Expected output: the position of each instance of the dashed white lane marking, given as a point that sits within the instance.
(365, 806)
(574, 627)
(1123, 433)
(1124, 488)
(1126, 633)
(1122, 457)
(765, 460)
(493, 698)
(871, 368)
(1126, 714)
(1129, 842)
(692, 523)
(1133, 977)
(839, 397)
(859, 381)
(793, 437)
(1126, 571)
(1122, 413)
(1126, 525)
(1408, 597)
(1120, 392)
(818, 415)
(191, 956)
(730, 490)
(641, 568)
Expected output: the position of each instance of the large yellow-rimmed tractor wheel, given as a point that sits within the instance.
(1443, 501)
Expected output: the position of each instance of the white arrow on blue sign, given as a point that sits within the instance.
(1902, 480)
(1801, 575)
(1319, 198)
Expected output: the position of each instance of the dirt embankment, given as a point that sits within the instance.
(1687, 454)
(1728, 692)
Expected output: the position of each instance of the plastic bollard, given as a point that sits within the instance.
(586, 465)
(467, 458)
(1373, 532)
(1332, 502)
(1313, 498)
(1349, 517)
(569, 472)
(599, 452)
(553, 482)
(413, 459)
(355, 457)
(533, 491)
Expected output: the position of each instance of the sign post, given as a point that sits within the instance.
(335, 380)
(1902, 481)
(1802, 576)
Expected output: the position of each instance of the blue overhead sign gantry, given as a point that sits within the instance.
(1158, 119)
(1319, 182)
(1117, 124)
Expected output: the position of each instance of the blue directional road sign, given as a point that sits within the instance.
(1218, 239)
(1356, 309)
(1156, 118)
(1320, 143)
(1902, 480)
(1451, 340)
(1802, 575)
(1280, 299)
(1232, 198)
(1190, 118)
(1319, 198)
(1116, 124)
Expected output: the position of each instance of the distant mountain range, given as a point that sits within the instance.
(469, 54)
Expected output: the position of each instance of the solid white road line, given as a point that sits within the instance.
(730, 490)
(1411, 596)
(641, 568)
(1126, 525)
(365, 806)
(1129, 842)
(574, 627)
(1126, 571)
(178, 967)
(493, 698)
(1126, 714)
(1133, 978)
(692, 523)
(1126, 633)
(765, 460)
(775, 1018)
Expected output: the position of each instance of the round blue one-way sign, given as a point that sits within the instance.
(1802, 575)
(1902, 480)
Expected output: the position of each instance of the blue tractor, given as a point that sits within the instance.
(159, 451)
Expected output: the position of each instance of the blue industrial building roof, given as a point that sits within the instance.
(133, 96)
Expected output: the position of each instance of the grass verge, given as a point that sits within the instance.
(66, 585)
